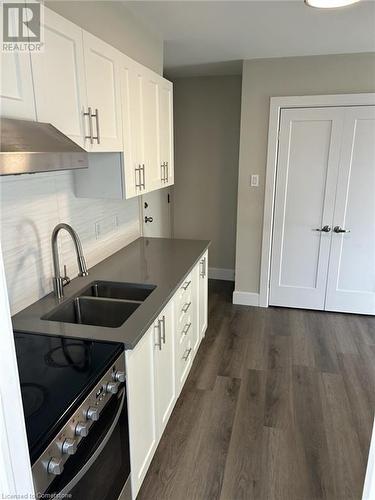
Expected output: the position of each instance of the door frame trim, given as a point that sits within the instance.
(277, 104)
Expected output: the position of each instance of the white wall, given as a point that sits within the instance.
(267, 78)
(207, 126)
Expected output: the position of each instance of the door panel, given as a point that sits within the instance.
(102, 63)
(16, 86)
(165, 368)
(59, 78)
(156, 207)
(351, 279)
(150, 106)
(308, 160)
(141, 407)
(166, 132)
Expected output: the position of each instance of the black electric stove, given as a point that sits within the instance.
(56, 374)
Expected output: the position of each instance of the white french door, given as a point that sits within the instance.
(325, 183)
(351, 276)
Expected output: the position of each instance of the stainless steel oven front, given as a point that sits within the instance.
(89, 458)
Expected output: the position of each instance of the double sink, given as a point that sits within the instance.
(102, 303)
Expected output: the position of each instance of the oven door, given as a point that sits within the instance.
(100, 469)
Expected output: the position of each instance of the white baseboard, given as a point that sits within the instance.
(246, 298)
(217, 273)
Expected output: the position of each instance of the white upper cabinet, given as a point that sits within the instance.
(150, 122)
(166, 132)
(102, 67)
(16, 92)
(59, 78)
(16, 86)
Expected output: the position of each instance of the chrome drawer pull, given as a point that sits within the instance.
(185, 357)
(158, 344)
(186, 329)
(162, 335)
(186, 285)
(186, 307)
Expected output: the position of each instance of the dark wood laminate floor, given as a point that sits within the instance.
(279, 405)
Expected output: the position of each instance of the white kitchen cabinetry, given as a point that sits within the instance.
(16, 86)
(159, 365)
(166, 132)
(151, 392)
(140, 370)
(102, 68)
(59, 78)
(202, 269)
(164, 367)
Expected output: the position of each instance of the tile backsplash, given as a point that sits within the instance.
(31, 206)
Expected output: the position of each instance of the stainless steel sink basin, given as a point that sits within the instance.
(124, 291)
(93, 311)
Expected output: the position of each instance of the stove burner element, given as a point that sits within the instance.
(76, 355)
(33, 398)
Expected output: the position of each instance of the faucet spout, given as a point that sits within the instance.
(60, 281)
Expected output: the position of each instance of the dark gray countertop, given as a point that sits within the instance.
(159, 261)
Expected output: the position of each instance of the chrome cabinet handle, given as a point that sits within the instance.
(96, 116)
(324, 229)
(187, 354)
(140, 170)
(203, 268)
(185, 308)
(167, 167)
(158, 344)
(339, 229)
(162, 322)
(143, 176)
(89, 114)
(186, 285)
(186, 329)
(163, 169)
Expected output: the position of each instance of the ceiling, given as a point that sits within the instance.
(212, 37)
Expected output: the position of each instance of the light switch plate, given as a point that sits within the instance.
(254, 180)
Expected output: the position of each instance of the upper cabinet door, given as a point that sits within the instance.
(102, 65)
(16, 86)
(150, 127)
(131, 89)
(59, 78)
(166, 132)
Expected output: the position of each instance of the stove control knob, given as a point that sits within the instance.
(55, 466)
(69, 446)
(92, 414)
(112, 387)
(119, 376)
(82, 429)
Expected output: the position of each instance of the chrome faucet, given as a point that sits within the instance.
(60, 281)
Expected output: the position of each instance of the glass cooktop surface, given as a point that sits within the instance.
(56, 374)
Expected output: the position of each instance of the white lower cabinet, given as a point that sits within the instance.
(158, 367)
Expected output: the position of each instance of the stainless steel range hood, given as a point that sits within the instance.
(28, 147)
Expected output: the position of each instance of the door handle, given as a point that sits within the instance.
(90, 115)
(339, 229)
(158, 328)
(149, 219)
(96, 116)
(324, 229)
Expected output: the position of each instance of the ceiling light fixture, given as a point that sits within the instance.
(329, 4)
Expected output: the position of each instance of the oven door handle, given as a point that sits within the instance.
(96, 453)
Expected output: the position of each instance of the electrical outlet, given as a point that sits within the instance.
(254, 180)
